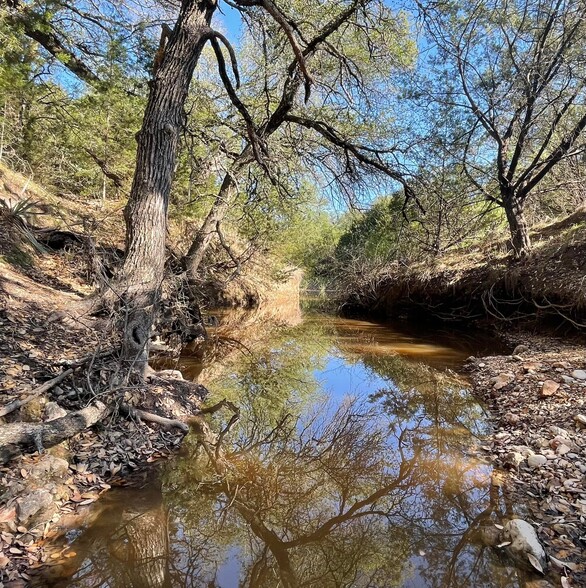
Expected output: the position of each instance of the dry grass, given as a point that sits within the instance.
(485, 281)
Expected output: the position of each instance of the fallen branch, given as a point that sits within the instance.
(15, 404)
(19, 438)
(149, 417)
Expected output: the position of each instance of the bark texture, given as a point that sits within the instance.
(158, 140)
(19, 438)
(207, 230)
(514, 209)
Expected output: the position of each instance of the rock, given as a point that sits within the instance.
(173, 374)
(563, 449)
(558, 431)
(580, 420)
(520, 349)
(536, 461)
(525, 547)
(531, 367)
(49, 466)
(579, 374)
(559, 440)
(549, 388)
(568, 380)
(561, 364)
(53, 411)
(512, 418)
(33, 504)
(523, 450)
(513, 459)
(489, 535)
(503, 380)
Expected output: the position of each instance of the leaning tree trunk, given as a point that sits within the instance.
(514, 209)
(158, 139)
(206, 232)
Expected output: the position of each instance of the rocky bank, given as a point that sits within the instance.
(537, 400)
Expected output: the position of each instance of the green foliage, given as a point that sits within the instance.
(375, 233)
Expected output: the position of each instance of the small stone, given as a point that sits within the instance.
(580, 420)
(549, 388)
(503, 380)
(53, 411)
(536, 461)
(513, 459)
(531, 367)
(520, 349)
(558, 431)
(512, 418)
(523, 450)
(568, 380)
(579, 374)
(32, 504)
(489, 535)
(524, 543)
(563, 449)
(49, 466)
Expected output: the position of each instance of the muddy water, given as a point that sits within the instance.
(352, 464)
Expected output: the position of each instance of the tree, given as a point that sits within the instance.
(360, 44)
(517, 71)
(355, 32)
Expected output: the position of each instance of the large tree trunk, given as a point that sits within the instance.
(514, 208)
(146, 211)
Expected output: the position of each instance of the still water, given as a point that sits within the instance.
(352, 465)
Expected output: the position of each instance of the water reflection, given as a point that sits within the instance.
(349, 466)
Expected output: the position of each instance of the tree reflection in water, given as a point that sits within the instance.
(367, 492)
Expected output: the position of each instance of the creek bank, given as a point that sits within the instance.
(482, 283)
(40, 341)
(537, 402)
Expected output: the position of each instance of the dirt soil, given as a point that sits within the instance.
(537, 399)
(41, 335)
(483, 282)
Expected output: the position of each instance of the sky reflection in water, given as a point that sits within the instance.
(350, 466)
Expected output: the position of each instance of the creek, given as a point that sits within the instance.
(354, 463)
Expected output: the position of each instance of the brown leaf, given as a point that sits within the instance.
(535, 562)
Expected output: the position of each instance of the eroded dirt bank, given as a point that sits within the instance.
(40, 340)
(483, 283)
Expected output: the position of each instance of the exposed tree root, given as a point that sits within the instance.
(15, 404)
(167, 424)
(19, 438)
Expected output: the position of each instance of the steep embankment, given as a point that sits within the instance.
(483, 282)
